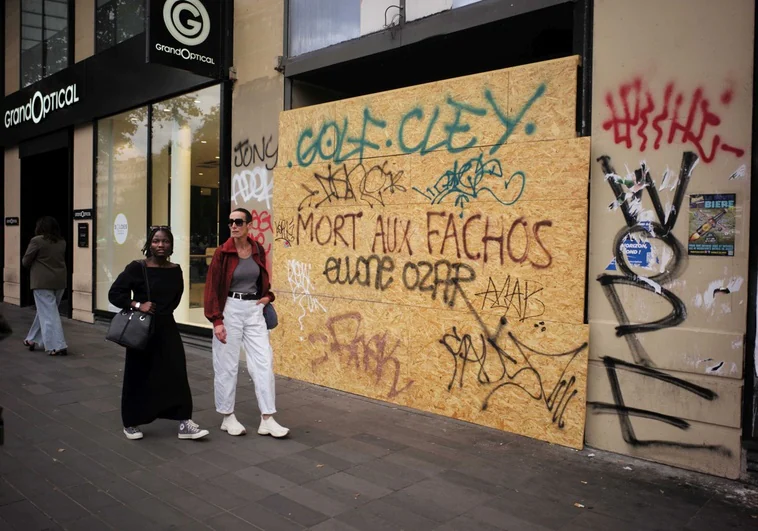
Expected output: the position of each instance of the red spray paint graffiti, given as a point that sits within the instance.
(261, 231)
(637, 115)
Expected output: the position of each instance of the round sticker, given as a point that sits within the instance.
(120, 229)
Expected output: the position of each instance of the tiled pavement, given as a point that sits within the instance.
(351, 463)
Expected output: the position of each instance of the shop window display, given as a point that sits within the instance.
(182, 191)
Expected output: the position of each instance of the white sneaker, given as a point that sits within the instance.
(232, 426)
(271, 427)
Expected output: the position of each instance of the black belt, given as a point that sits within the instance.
(243, 296)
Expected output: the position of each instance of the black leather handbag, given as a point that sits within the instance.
(269, 314)
(132, 328)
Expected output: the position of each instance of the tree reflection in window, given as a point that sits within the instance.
(117, 21)
(44, 39)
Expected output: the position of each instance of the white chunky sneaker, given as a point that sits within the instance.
(133, 433)
(190, 430)
(271, 427)
(232, 426)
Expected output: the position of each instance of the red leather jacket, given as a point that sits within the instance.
(219, 278)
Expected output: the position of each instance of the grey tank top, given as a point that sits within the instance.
(245, 276)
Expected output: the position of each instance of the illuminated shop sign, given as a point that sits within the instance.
(40, 105)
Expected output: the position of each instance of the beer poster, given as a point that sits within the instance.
(712, 225)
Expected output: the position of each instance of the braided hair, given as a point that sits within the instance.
(153, 231)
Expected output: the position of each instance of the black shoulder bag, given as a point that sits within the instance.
(132, 328)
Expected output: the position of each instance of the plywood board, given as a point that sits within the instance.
(430, 249)
(539, 171)
(521, 377)
(385, 256)
(356, 347)
(529, 103)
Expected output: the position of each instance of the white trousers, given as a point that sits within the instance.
(245, 328)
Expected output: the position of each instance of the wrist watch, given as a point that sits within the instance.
(136, 306)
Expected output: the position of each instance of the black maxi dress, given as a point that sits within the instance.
(155, 379)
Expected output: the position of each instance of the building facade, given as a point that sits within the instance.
(124, 114)
(111, 143)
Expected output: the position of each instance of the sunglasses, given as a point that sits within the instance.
(159, 227)
(237, 222)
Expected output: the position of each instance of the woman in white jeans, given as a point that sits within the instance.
(237, 289)
(46, 256)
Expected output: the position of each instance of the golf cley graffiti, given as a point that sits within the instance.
(341, 141)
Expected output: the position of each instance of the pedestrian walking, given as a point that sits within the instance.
(46, 258)
(155, 379)
(237, 289)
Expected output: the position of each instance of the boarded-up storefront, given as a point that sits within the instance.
(430, 249)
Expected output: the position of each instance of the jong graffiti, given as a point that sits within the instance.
(253, 185)
(431, 261)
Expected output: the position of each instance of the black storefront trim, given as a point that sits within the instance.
(71, 32)
(583, 33)
(450, 21)
(41, 144)
(108, 83)
(225, 138)
(149, 173)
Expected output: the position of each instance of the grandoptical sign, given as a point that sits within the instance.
(185, 34)
(53, 102)
(40, 105)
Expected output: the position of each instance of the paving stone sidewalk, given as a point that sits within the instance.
(350, 464)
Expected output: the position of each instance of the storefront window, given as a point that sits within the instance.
(44, 39)
(316, 24)
(117, 21)
(121, 190)
(182, 191)
(185, 181)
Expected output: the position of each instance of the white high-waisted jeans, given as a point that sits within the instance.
(246, 328)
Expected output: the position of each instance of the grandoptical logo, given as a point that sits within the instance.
(40, 105)
(191, 31)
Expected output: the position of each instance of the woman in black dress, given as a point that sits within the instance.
(155, 379)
